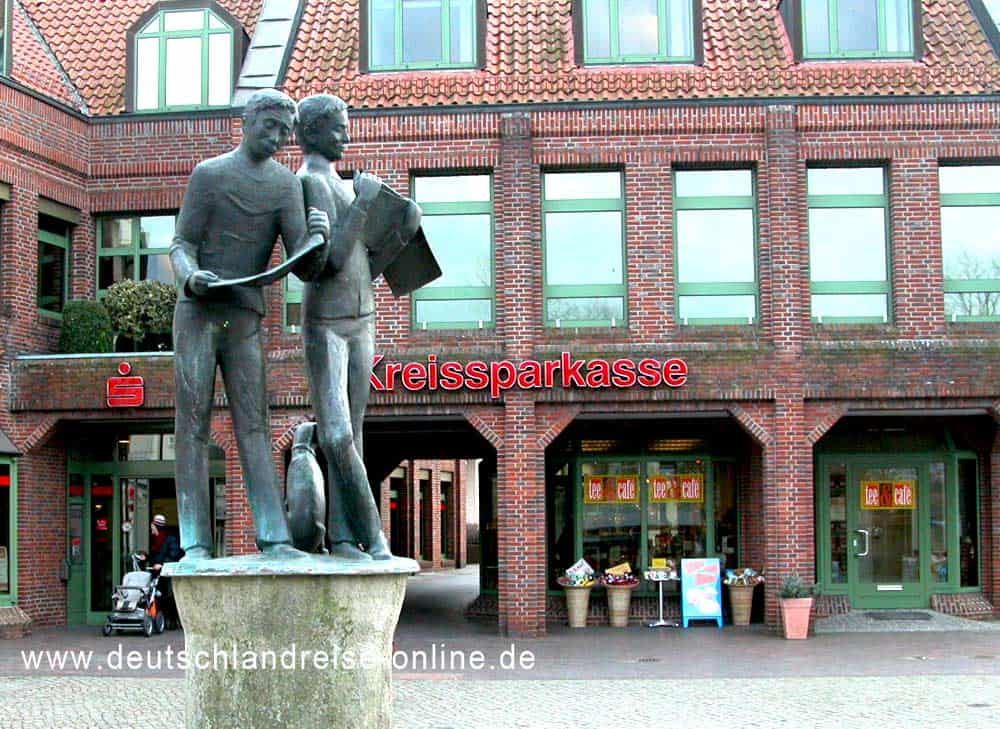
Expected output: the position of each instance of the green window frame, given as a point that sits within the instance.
(574, 289)
(5, 36)
(124, 251)
(838, 294)
(827, 27)
(293, 303)
(459, 222)
(183, 36)
(8, 537)
(53, 266)
(971, 282)
(457, 44)
(610, 31)
(708, 296)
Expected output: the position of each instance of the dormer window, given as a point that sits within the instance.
(637, 31)
(183, 59)
(422, 34)
(836, 29)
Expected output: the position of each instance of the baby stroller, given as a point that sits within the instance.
(134, 603)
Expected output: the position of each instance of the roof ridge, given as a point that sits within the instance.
(71, 87)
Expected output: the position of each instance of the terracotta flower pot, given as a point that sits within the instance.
(795, 614)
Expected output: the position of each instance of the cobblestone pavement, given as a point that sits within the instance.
(969, 702)
(860, 621)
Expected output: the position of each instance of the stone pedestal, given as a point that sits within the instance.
(298, 643)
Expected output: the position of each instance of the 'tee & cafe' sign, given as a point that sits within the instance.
(497, 377)
(888, 495)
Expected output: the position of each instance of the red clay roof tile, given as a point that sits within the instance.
(33, 66)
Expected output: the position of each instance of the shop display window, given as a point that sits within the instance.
(6, 530)
(676, 509)
(612, 515)
(939, 524)
(838, 523)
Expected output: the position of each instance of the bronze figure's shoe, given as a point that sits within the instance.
(346, 550)
(379, 549)
(283, 551)
(196, 554)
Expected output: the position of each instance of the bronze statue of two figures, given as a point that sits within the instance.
(338, 237)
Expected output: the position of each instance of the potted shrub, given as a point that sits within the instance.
(142, 314)
(86, 328)
(796, 601)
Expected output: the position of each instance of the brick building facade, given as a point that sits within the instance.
(740, 165)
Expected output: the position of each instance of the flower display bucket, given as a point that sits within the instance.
(741, 601)
(795, 617)
(577, 605)
(619, 602)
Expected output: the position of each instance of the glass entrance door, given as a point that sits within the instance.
(884, 537)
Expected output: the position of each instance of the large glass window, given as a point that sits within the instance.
(857, 28)
(53, 264)
(584, 232)
(638, 31)
(8, 526)
(458, 221)
(848, 244)
(970, 241)
(676, 525)
(183, 59)
(134, 248)
(715, 246)
(612, 514)
(405, 34)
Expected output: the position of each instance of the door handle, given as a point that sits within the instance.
(867, 537)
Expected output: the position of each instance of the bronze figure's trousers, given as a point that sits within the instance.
(339, 357)
(228, 337)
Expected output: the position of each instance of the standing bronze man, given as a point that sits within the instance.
(338, 325)
(235, 207)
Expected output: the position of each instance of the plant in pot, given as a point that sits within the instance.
(619, 582)
(142, 314)
(796, 601)
(741, 583)
(577, 583)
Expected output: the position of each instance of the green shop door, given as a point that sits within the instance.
(885, 535)
(93, 541)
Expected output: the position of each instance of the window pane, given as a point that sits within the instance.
(51, 277)
(6, 547)
(970, 178)
(460, 311)
(187, 20)
(898, 26)
(817, 26)
(993, 6)
(598, 29)
(183, 71)
(838, 522)
(715, 246)
(939, 524)
(717, 307)
(583, 185)
(295, 287)
(970, 242)
(156, 268)
(714, 183)
(383, 35)
(147, 73)
(857, 24)
(463, 188)
(611, 526)
(846, 181)
(847, 244)
(156, 231)
(968, 522)
(639, 28)
(972, 304)
(421, 31)
(583, 248)
(463, 31)
(112, 269)
(293, 314)
(850, 305)
(116, 232)
(461, 244)
(586, 309)
(679, 28)
(214, 23)
(220, 68)
(153, 26)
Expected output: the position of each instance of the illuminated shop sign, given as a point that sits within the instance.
(126, 390)
(497, 377)
(681, 488)
(888, 495)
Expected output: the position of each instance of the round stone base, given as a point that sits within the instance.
(298, 643)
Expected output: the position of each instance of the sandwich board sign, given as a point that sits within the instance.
(701, 590)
